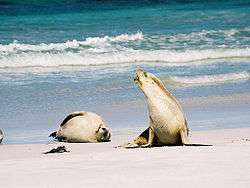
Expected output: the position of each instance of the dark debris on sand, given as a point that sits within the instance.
(60, 149)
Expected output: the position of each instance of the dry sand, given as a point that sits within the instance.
(225, 164)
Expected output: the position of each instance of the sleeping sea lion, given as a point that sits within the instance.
(82, 127)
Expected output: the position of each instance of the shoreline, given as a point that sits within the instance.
(196, 101)
(121, 136)
(226, 163)
(202, 113)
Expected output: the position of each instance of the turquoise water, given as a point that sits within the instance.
(63, 56)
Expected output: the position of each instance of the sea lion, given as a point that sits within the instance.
(82, 127)
(167, 123)
(1, 136)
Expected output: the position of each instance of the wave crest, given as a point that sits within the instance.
(210, 79)
(87, 57)
(74, 44)
(116, 50)
(119, 38)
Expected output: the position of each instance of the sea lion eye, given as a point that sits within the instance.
(145, 74)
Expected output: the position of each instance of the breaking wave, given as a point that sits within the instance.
(99, 57)
(124, 48)
(211, 79)
(74, 44)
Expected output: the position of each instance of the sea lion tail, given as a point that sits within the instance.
(53, 134)
(197, 145)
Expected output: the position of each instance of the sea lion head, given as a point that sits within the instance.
(148, 82)
(103, 134)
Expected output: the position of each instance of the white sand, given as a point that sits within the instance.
(226, 164)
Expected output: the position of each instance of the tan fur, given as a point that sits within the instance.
(168, 125)
(160, 84)
(142, 138)
(83, 127)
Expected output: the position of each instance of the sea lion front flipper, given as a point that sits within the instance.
(53, 134)
(142, 139)
(150, 139)
(151, 135)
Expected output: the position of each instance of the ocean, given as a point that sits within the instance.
(61, 56)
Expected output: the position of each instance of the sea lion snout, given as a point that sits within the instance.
(105, 131)
(139, 75)
(136, 78)
(105, 134)
(140, 72)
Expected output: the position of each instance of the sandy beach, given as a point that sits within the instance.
(59, 57)
(225, 164)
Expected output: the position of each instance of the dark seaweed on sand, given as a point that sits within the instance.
(60, 149)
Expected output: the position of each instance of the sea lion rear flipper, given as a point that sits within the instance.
(56, 137)
(185, 142)
(198, 145)
(53, 134)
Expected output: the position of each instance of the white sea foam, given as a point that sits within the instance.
(208, 35)
(211, 79)
(74, 44)
(111, 50)
(87, 57)
(205, 39)
(210, 38)
(119, 38)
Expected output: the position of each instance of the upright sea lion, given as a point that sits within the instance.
(167, 123)
(82, 127)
